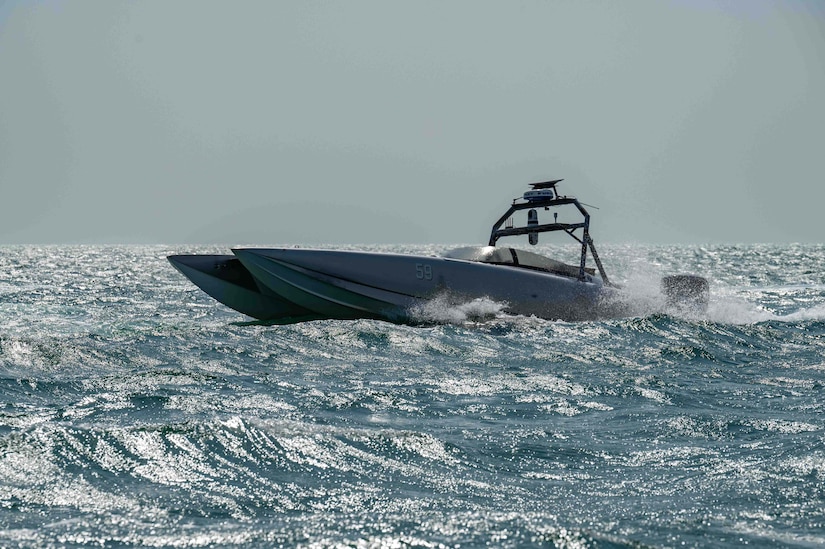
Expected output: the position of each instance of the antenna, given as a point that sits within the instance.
(546, 184)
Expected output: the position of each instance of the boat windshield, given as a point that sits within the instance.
(517, 258)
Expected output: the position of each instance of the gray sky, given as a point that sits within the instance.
(684, 121)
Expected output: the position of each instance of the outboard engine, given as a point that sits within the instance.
(532, 221)
(686, 291)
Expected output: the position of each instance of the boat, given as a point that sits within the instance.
(286, 285)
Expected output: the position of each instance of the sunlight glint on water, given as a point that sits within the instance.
(137, 411)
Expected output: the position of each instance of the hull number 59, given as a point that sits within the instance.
(423, 271)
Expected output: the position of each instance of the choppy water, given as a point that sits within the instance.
(135, 410)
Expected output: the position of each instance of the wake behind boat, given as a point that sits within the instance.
(292, 285)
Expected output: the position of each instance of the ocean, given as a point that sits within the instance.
(137, 411)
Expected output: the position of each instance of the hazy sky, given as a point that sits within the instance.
(684, 121)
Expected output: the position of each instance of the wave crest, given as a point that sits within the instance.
(447, 309)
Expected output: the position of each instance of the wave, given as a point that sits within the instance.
(138, 412)
(446, 310)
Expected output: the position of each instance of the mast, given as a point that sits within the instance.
(544, 195)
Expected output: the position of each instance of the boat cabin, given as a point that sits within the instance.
(517, 258)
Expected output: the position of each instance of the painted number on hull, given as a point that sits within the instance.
(423, 271)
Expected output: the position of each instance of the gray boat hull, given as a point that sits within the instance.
(350, 284)
(224, 278)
